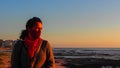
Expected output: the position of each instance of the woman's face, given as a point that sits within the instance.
(36, 30)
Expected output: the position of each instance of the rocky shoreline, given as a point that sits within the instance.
(91, 63)
(76, 61)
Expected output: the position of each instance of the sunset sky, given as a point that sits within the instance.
(66, 23)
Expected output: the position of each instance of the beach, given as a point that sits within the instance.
(5, 60)
(76, 58)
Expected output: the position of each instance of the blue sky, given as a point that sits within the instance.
(84, 23)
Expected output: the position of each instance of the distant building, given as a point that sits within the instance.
(1, 42)
(8, 43)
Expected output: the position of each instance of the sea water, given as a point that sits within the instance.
(105, 53)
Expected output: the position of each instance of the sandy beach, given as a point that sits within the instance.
(72, 59)
(5, 60)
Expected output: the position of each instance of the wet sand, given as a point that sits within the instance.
(5, 60)
(68, 62)
(91, 63)
(59, 63)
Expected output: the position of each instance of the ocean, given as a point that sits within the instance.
(94, 55)
(106, 53)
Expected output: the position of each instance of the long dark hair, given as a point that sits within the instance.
(30, 23)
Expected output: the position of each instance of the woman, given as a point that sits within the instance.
(32, 51)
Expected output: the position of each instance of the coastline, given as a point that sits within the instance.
(5, 60)
(91, 63)
(72, 59)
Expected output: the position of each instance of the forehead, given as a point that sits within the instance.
(38, 24)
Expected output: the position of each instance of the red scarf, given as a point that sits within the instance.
(32, 45)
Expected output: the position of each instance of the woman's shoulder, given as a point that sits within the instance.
(18, 43)
(46, 43)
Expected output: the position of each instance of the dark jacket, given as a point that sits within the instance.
(21, 59)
